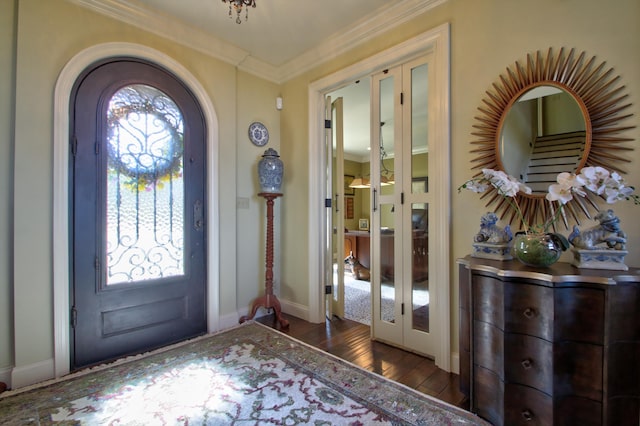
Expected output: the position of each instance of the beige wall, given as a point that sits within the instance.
(48, 33)
(256, 102)
(486, 37)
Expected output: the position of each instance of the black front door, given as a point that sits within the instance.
(138, 195)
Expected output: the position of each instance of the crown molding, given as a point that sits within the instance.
(180, 33)
(370, 26)
(261, 69)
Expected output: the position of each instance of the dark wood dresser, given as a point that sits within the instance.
(558, 345)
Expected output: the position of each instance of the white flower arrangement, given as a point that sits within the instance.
(610, 186)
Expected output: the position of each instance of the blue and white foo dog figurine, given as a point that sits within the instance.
(602, 246)
(492, 241)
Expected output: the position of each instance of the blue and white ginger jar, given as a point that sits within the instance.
(270, 170)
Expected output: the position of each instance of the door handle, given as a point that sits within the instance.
(375, 201)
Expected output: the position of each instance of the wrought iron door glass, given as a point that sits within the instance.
(145, 202)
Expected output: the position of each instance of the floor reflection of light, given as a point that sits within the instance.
(186, 393)
(420, 297)
(234, 389)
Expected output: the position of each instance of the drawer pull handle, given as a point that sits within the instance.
(527, 415)
(529, 313)
(527, 364)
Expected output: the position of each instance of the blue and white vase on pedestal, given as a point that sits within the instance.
(270, 171)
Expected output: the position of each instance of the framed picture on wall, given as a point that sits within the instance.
(363, 224)
(348, 208)
(347, 181)
(420, 186)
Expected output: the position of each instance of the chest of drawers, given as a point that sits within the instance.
(553, 346)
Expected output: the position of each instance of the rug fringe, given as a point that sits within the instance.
(350, 364)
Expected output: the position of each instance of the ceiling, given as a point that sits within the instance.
(277, 31)
(280, 40)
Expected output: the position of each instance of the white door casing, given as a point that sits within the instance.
(435, 42)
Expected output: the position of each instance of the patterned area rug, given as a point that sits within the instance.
(250, 374)
(357, 303)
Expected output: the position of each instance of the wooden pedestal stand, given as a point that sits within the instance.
(269, 300)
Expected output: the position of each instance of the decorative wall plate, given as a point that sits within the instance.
(258, 134)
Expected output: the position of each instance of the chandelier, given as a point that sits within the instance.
(386, 176)
(238, 5)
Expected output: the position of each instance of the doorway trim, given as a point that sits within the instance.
(61, 247)
(436, 41)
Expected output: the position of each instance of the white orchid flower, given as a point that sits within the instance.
(560, 192)
(598, 180)
(593, 178)
(524, 188)
(617, 192)
(475, 186)
(508, 186)
(572, 181)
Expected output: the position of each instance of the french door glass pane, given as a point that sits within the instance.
(419, 211)
(386, 136)
(420, 268)
(419, 125)
(387, 267)
(145, 203)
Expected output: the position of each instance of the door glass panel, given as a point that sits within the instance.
(387, 270)
(336, 227)
(419, 210)
(145, 203)
(420, 267)
(419, 126)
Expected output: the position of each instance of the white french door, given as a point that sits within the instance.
(436, 200)
(401, 217)
(334, 265)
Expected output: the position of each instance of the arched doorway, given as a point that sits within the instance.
(138, 200)
(64, 85)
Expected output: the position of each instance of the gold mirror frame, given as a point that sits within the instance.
(602, 101)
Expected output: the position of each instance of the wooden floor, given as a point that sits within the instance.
(351, 341)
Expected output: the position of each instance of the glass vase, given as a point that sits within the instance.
(539, 250)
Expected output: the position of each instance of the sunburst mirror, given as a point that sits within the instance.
(556, 112)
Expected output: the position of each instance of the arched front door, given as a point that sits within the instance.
(138, 221)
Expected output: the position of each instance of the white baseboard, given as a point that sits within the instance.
(295, 309)
(227, 321)
(33, 373)
(455, 362)
(233, 319)
(289, 308)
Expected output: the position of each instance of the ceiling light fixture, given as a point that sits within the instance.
(360, 182)
(386, 176)
(238, 5)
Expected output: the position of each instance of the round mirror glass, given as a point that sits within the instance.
(543, 133)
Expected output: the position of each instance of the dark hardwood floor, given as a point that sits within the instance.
(351, 341)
